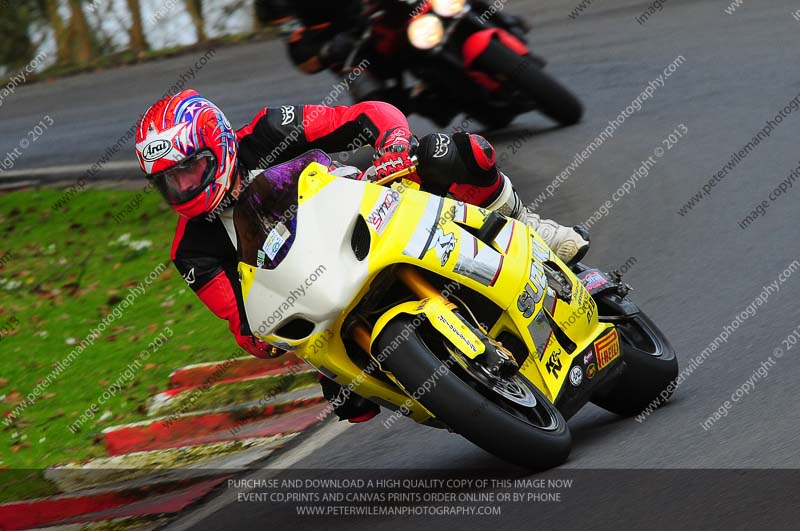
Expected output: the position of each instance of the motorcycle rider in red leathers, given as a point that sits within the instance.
(189, 152)
(320, 36)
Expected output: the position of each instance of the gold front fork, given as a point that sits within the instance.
(420, 286)
(414, 281)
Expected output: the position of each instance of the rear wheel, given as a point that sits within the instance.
(508, 417)
(523, 73)
(650, 367)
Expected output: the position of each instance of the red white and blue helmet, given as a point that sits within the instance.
(187, 149)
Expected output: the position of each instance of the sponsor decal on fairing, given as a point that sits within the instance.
(384, 210)
(576, 376)
(275, 240)
(607, 349)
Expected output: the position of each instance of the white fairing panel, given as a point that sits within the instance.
(320, 275)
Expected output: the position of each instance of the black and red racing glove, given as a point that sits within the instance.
(393, 152)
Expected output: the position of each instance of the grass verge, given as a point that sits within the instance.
(61, 274)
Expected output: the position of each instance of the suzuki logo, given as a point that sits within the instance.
(156, 150)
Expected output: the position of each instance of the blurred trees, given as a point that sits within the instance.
(60, 30)
(76, 41)
(76, 33)
(20, 20)
(263, 15)
(195, 9)
(16, 44)
(80, 36)
(138, 43)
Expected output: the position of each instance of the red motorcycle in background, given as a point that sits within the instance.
(454, 56)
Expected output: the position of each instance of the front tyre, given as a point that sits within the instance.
(523, 73)
(515, 421)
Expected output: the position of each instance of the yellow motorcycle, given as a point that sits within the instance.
(440, 311)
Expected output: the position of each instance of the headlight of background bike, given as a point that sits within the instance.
(426, 32)
(447, 8)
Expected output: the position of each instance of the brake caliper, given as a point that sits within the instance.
(498, 359)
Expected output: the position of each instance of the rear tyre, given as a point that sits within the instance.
(523, 73)
(650, 367)
(494, 120)
(534, 435)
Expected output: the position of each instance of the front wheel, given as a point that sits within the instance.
(523, 74)
(508, 417)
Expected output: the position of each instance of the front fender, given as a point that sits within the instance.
(479, 41)
(441, 316)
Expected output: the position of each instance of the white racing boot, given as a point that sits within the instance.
(569, 244)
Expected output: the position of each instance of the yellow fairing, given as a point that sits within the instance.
(500, 272)
(577, 318)
(433, 233)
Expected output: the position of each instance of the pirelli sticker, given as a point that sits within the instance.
(606, 349)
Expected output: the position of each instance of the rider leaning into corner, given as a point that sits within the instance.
(321, 36)
(189, 152)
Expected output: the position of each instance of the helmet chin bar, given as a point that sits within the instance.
(238, 184)
(235, 189)
(240, 179)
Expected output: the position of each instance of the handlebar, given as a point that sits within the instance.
(389, 179)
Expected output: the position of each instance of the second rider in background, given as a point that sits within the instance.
(322, 36)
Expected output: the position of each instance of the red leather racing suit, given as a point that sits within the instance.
(202, 250)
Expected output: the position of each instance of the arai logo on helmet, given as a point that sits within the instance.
(156, 149)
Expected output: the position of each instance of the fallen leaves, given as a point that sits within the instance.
(13, 397)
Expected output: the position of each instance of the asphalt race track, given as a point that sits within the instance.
(694, 273)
